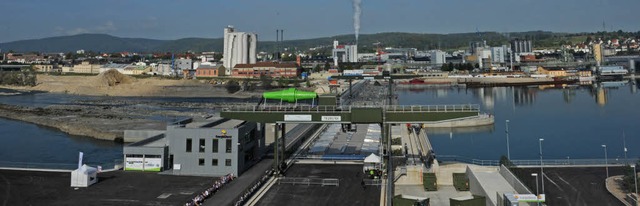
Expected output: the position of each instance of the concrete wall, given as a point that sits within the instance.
(515, 183)
(139, 135)
(476, 189)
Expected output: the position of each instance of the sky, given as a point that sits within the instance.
(175, 19)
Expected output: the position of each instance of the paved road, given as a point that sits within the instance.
(113, 188)
(573, 186)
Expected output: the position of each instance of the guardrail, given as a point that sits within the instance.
(545, 162)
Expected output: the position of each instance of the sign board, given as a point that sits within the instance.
(331, 118)
(176, 166)
(529, 197)
(152, 164)
(297, 118)
(134, 163)
(368, 78)
(143, 164)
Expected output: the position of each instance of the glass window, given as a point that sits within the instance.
(188, 145)
(214, 146)
(214, 162)
(227, 162)
(201, 161)
(228, 146)
(201, 146)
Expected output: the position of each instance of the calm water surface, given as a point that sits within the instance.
(574, 122)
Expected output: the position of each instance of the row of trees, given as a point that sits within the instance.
(460, 66)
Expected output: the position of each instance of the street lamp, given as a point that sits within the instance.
(606, 165)
(507, 131)
(635, 182)
(536, 175)
(541, 164)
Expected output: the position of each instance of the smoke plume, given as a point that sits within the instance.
(357, 12)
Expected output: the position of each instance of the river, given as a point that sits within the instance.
(574, 121)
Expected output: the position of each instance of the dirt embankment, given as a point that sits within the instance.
(79, 121)
(113, 83)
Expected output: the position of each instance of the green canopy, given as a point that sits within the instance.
(289, 95)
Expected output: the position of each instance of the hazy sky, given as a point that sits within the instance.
(174, 19)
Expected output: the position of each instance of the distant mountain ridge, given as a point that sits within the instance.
(108, 43)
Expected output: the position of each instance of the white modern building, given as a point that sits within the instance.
(344, 53)
(239, 48)
(497, 55)
(438, 57)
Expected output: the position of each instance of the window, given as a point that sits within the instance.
(227, 162)
(201, 147)
(188, 145)
(214, 146)
(214, 162)
(201, 161)
(228, 146)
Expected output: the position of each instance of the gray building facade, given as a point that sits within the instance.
(214, 148)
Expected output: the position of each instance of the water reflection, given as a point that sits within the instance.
(574, 119)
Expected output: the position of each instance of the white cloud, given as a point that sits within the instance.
(107, 27)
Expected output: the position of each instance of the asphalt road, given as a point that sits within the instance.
(113, 188)
(572, 186)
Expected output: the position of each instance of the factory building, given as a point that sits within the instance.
(239, 48)
(213, 147)
(438, 57)
(344, 53)
(521, 46)
(497, 55)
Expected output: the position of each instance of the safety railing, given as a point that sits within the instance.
(309, 181)
(537, 162)
(346, 109)
(115, 164)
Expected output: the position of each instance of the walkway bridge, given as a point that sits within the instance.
(350, 114)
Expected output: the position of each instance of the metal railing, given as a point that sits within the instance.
(536, 162)
(434, 108)
(346, 109)
(309, 181)
(115, 164)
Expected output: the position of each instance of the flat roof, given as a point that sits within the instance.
(229, 124)
(215, 123)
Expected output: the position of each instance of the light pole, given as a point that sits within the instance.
(541, 165)
(537, 192)
(507, 131)
(606, 164)
(635, 182)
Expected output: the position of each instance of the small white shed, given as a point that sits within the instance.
(84, 176)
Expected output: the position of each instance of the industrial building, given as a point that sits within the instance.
(521, 46)
(344, 53)
(239, 48)
(270, 69)
(438, 57)
(213, 147)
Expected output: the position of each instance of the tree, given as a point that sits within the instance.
(506, 162)
(232, 86)
(266, 81)
(628, 181)
(327, 66)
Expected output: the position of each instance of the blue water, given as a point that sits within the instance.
(27, 143)
(573, 122)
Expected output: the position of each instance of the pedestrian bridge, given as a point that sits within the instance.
(350, 114)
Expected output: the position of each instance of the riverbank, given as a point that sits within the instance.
(105, 85)
(100, 124)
